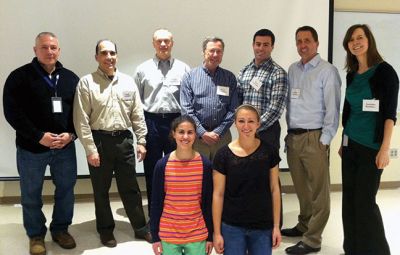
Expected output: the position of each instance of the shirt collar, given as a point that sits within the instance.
(101, 73)
(208, 72)
(36, 62)
(157, 61)
(264, 64)
(313, 62)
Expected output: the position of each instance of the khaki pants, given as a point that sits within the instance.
(309, 168)
(209, 151)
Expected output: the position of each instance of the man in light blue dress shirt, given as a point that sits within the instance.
(209, 96)
(312, 118)
(159, 81)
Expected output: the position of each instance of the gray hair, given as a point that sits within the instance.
(162, 29)
(44, 34)
(212, 39)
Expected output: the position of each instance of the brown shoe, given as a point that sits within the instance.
(36, 246)
(64, 239)
(147, 237)
(108, 240)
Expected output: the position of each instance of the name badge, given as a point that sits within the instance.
(370, 105)
(127, 95)
(345, 142)
(222, 90)
(256, 83)
(174, 81)
(295, 93)
(57, 104)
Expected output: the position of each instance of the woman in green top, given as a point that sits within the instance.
(369, 115)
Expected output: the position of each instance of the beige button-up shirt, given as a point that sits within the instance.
(104, 104)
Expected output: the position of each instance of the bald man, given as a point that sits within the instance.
(159, 82)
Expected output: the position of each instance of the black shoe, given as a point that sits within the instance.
(301, 249)
(292, 232)
(108, 239)
(147, 237)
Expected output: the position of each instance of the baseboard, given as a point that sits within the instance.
(338, 187)
(115, 196)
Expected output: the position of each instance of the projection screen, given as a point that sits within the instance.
(79, 24)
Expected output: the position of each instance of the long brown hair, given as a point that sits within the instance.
(373, 56)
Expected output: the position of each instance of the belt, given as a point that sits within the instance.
(298, 131)
(111, 133)
(162, 115)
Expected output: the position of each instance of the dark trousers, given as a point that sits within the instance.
(116, 156)
(158, 143)
(364, 233)
(272, 136)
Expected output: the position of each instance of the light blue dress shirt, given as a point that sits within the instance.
(314, 97)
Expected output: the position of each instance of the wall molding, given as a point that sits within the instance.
(115, 196)
(381, 6)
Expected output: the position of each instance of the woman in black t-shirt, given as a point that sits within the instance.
(246, 198)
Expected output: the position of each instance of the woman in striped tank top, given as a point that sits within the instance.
(181, 221)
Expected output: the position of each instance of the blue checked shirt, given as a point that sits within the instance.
(210, 109)
(270, 98)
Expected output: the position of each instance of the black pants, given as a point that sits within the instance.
(116, 156)
(362, 221)
(272, 136)
(158, 143)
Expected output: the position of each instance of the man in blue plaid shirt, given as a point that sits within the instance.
(264, 85)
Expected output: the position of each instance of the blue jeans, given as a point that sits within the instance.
(31, 169)
(242, 241)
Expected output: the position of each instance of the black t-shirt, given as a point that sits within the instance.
(247, 199)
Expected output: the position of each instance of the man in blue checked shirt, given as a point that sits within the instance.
(264, 85)
(209, 96)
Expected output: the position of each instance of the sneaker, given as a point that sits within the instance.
(36, 246)
(64, 239)
(108, 240)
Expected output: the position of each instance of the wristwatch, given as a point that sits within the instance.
(73, 136)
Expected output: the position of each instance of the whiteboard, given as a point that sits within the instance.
(386, 30)
(131, 23)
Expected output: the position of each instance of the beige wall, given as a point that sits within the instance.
(389, 6)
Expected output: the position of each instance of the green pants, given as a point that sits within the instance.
(197, 248)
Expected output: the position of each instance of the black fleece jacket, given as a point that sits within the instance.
(28, 107)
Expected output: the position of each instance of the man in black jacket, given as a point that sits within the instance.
(38, 99)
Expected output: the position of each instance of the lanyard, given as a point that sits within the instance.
(49, 82)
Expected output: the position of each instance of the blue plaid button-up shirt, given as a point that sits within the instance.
(270, 98)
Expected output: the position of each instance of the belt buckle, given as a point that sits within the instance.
(115, 133)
